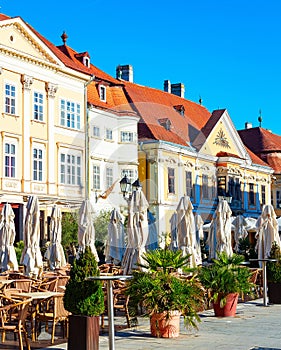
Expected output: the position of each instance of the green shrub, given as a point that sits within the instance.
(274, 268)
(226, 275)
(160, 288)
(84, 297)
(19, 246)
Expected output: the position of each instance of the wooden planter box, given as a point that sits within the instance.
(274, 292)
(83, 332)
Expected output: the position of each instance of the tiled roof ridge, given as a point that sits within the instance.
(181, 99)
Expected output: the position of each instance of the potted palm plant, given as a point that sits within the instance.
(224, 280)
(85, 300)
(274, 275)
(163, 294)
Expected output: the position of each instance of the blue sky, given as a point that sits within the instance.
(228, 52)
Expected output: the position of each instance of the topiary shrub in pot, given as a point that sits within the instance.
(274, 275)
(85, 300)
(224, 280)
(163, 294)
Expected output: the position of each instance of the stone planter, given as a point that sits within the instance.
(162, 326)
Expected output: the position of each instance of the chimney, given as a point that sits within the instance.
(167, 86)
(125, 72)
(178, 89)
(248, 125)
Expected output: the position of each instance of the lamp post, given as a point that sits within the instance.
(226, 196)
(87, 139)
(126, 187)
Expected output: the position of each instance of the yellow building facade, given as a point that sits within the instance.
(42, 123)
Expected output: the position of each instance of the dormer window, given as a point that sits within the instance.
(84, 58)
(165, 122)
(102, 93)
(86, 61)
(180, 109)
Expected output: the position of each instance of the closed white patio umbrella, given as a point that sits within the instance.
(187, 232)
(267, 231)
(31, 256)
(55, 253)
(219, 237)
(8, 258)
(240, 231)
(137, 231)
(115, 244)
(86, 229)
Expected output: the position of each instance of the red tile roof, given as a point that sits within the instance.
(154, 105)
(3, 17)
(260, 140)
(115, 97)
(264, 144)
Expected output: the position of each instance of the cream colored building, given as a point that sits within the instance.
(45, 148)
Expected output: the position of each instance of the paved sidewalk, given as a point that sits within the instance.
(254, 327)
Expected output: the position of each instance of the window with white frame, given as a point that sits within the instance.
(38, 106)
(102, 92)
(108, 134)
(251, 194)
(70, 114)
(10, 159)
(10, 99)
(96, 177)
(86, 61)
(127, 136)
(109, 177)
(37, 164)
(96, 131)
(188, 183)
(171, 180)
(205, 186)
(70, 168)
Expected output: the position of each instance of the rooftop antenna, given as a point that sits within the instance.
(260, 118)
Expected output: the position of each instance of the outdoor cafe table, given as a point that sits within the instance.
(264, 262)
(109, 288)
(36, 299)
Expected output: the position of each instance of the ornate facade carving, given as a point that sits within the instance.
(51, 89)
(26, 81)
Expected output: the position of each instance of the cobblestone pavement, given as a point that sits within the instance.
(254, 327)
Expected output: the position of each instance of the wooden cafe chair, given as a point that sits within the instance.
(13, 314)
(53, 311)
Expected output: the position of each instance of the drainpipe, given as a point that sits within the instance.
(146, 167)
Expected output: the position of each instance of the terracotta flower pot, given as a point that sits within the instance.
(229, 310)
(162, 326)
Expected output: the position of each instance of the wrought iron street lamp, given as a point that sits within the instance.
(125, 186)
(227, 197)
